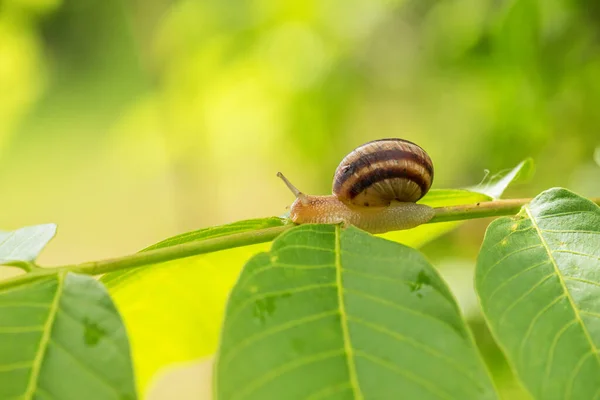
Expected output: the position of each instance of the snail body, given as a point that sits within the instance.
(375, 188)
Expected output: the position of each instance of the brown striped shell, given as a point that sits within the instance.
(381, 171)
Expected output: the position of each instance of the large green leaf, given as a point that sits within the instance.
(181, 300)
(348, 315)
(538, 280)
(25, 244)
(62, 338)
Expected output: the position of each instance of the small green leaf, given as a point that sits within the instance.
(538, 281)
(222, 230)
(497, 184)
(62, 338)
(25, 244)
(348, 315)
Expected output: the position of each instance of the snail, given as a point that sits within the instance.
(375, 188)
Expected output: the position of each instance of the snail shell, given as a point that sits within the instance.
(381, 171)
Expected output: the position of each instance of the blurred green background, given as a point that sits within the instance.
(129, 121)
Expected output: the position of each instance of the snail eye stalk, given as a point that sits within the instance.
(293, 188)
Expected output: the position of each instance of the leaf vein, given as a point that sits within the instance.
(282, 369)
(235, 312)
(565, 214)
(15, 366)
(21, 329)
(379, 277)
(329, 390)
(527, 293)
(416, 344)
(484, 277)
(550, 357)
(305, 247)
(27, 286)
(400, 307)
(564, 287)
(272, 266)
(590, 313)
(534, 320)
(576, 372)
(512, 232)
(344, 319)
(45, 339)
(576, 253)
(513, 277)
(405, 373)
(226, 358)
(569, 231)
(576, 279)
(24, 304)
(85, 367)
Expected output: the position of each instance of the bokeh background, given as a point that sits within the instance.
(126, 122)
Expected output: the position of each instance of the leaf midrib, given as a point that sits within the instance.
(45, 339)
(349, 351)
(563, 285)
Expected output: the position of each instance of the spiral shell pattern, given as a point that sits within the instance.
(381, 171)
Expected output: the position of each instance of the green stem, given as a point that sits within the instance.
(178, 251)
(26, 266)
(442, 214)
(155, 256)
(480, 210)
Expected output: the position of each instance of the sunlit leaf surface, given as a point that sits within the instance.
(350, 316)
(25, 244)
(62, 338)
(182, 300)
(538, 279)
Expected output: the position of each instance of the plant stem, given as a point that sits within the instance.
(24, 265)
(442, 214)
(155, 256)
(479, 210)
(483, 209)
(178, 251)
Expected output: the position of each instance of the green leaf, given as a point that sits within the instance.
(222, 230)
(497, 184)
(182, 300)
(25, 244)
(62, 338)
(538, 281)
(348, 315)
